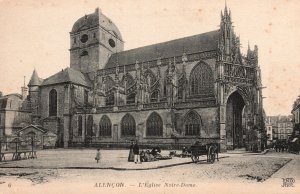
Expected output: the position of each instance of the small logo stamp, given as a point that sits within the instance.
(288, 182)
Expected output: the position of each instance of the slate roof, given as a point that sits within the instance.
(198, 43)
(68, 75)
(35, 80)
(93, 20)
(274, 120)
(89, 20)
(285, 118)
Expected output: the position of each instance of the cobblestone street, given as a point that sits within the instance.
(57, 169)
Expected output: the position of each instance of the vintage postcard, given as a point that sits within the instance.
(162, 96)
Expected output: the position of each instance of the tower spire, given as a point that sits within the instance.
(227, 36)
(34, 80)
(222, 15)
(249, 50)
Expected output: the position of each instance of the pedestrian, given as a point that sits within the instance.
(136, 152)
(98, 155)
(131, 155)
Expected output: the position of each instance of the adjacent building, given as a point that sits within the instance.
(296, 124)
(12, 115)
(279, 128)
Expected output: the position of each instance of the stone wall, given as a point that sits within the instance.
(209, 127)
(44, 103)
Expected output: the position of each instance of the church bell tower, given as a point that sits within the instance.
(93, 39)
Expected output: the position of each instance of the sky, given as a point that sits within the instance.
(35, 35)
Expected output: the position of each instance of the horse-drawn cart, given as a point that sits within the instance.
(210, 150)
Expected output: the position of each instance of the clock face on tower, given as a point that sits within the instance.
(84, 38)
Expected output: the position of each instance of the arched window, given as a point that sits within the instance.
(154, 125)
(180, 93)
(154, 96)
(86, 97)
(131, 98)
(53, 103)
(128, 125)
(79, 133)
(127, 81)
(110, 99)
(150, 77)
(181, 87)
(201, 80)
(105, 127)
(239, 72)
(192, 124)
(109, 83)
(90, 122)
(165, 87)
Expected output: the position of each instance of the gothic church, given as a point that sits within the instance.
(169, 94)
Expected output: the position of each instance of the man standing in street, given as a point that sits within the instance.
(136, 152)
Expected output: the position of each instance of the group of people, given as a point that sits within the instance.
(281, 147)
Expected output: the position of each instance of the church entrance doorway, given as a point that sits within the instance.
(234, 124)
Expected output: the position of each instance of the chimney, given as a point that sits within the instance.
(24, 90)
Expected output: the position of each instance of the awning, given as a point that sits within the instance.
(295, 139)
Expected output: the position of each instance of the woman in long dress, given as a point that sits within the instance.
(131, 155)
(98, 155)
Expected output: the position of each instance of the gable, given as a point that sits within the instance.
(32, 129)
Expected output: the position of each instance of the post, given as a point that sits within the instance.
(16, 154)
(85, 133)
(42, 141)
(6, 144)
(32, 145)
(0, 149)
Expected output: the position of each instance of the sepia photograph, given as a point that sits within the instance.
(160, 96)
